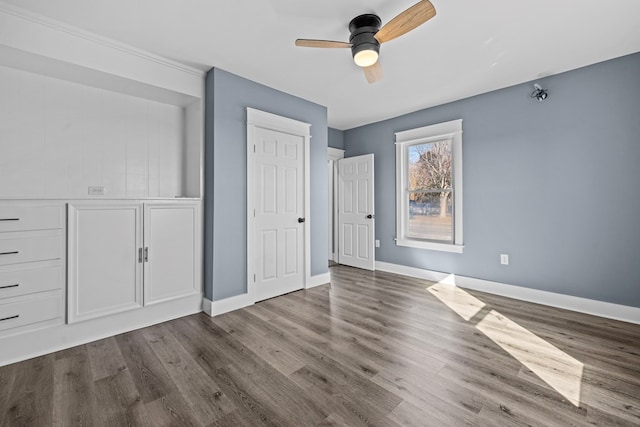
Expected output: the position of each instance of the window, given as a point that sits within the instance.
(429, 187)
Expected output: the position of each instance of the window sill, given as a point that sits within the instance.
(443, 247)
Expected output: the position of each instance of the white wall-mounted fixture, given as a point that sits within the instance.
(504, 259)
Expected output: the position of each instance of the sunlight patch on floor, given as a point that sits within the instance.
(463, 303)
(555, 367)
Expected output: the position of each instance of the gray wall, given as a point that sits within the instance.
(336, 138)
(227, 97)
(553, 184)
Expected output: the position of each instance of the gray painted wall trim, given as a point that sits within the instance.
(336, 138)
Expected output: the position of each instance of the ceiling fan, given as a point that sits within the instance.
(367, 36)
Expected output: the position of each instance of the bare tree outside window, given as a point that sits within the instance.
(430, 176)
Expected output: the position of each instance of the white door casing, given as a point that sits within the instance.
(277, 205)
(333, 155)
(356, 217)
(330, 208)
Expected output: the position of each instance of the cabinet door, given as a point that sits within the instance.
(105, 274)
(172, 250)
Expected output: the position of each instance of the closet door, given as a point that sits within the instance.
(172, 248)
(105, 259)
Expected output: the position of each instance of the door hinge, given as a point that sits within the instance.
(140, 255)
(254, 148)
(254, 213)
(254, 278)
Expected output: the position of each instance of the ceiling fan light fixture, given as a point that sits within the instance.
(364, 46)
(365, 58)
(366, 36)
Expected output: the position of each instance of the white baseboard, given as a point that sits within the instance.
(318, 279)
(434, 276)
(582, 305)
(18, 347)
(214, 308)
(206, 305)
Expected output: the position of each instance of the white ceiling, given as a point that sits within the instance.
(469, 47)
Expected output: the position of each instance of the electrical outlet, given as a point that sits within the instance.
(377, 243)
(504, 259)
(96, 191)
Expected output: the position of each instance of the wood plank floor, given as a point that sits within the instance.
(369, 349)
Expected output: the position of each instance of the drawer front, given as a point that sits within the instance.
(30, 311)
(26, 218)
(25, 282)
(29, 249)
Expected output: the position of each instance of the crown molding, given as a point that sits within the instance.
(95, 38)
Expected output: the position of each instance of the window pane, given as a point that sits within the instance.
(430, 216)
(430, 166)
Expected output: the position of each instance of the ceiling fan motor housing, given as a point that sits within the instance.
(363, 28)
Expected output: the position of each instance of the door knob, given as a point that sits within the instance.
(300, 220)
(370, 216)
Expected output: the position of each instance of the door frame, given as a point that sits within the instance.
(262, 119)
(333, 156)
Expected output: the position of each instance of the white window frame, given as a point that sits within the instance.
(448, 130)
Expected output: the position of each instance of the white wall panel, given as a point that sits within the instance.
(137, 151)
(167, 126)
(57, 138)
(193, 159)
(112, 144)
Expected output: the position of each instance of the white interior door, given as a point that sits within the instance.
(279, 213)
(356, 219)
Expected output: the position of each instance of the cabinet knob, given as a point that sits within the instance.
(370, 216)
(300, 220)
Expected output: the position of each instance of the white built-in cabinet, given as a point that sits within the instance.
(171, 255)
(32, 259)
(101, 180)
(126, 255)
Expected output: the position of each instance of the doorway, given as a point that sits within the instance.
(278, 255)
(333, 155)
(356, 217)
(351, 209)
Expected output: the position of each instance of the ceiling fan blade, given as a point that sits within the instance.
(321, 43)
(373, 73)
(411, 18)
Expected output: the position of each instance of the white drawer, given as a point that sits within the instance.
(29, 249)
(30, 311)
(27, 218)
(24, 282)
